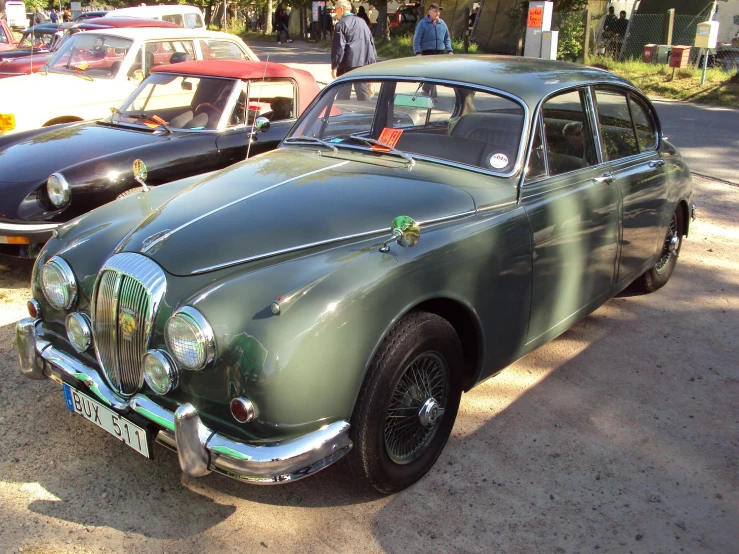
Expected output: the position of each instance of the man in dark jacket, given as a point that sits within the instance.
(353, 46)
(432, 34)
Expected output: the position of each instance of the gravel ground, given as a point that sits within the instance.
(620, 436)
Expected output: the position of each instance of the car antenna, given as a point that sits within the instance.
(246, 111)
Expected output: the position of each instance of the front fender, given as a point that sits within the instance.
(304, 367)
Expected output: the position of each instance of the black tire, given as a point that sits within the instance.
(129, 192)
(394, 446)
(656, 277)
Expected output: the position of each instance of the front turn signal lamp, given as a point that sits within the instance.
(7, 122)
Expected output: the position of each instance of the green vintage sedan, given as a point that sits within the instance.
(425, 223)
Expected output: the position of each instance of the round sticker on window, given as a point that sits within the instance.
(498, 161)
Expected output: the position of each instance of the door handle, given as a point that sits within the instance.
(607, 178)
(656, 163)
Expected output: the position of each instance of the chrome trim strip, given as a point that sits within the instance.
(216, 210)
(199, 448)
(497, 206)
(595, 123)
(12, 227)
(466, 84)
(321, 243)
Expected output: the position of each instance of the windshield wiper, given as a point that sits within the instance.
(79, 72)
(374, 142)
(304, 138)
(150, 120)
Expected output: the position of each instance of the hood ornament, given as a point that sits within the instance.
(140, 173)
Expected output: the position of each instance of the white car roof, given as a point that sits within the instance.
(153, 33)
(151, 10)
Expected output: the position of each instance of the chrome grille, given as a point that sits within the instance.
(128, 291)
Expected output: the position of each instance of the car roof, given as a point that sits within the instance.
(530, 79)
(234, 69)
(130, 22)
(146, 33)
(43, 27)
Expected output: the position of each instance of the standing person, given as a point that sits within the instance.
(54, 16)
(432, 35)
(373, 13)
(362, 14)
(352, 47)
(281, 22)
(39, 16)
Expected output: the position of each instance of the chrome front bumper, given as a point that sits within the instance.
(199, 449)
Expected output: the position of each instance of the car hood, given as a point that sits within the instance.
(34, 159)
(20, 64)
(284, 201)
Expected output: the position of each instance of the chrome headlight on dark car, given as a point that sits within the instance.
(190, 339)
(57, 189)
(59, 284)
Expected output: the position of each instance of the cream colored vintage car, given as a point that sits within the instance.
(99, 69)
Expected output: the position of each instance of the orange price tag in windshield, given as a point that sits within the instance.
(390, 137)
(536, 17)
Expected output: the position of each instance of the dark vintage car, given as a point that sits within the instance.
(336, 296)
(184, 119)
(24, 62)
(36, 40)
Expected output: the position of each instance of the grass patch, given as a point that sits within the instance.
(401, 46)
(720, 89)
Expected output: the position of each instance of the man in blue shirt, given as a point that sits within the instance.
(432, 34)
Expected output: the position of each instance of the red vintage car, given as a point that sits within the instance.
(24, 65)
(7, 40)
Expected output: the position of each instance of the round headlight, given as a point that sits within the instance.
(57, 189)
(59, 284)
(159, 372)
(190, 339)
(79, 332)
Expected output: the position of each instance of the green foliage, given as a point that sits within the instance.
(571, 36)
(721, 88)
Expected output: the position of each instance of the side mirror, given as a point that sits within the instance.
(262, 123)
(405, 231)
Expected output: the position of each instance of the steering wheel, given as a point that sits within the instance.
(208, 108)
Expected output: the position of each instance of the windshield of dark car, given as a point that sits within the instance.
(37, 39)
(436, 121)
(181, 101)
(93, 54)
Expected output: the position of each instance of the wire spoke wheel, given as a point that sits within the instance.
(416, 408)
(672, 241)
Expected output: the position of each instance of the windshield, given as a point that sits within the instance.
(91, 54)
(438, 121)
(179, 101)
(39, 40)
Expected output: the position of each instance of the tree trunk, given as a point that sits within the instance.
(268, 19)
(383, 31)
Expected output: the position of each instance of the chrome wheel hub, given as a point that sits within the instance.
(430, 412)
(674, 244)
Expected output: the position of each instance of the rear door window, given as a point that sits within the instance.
(616, 129)
(218, 49)
(646, 129)
(569, 139)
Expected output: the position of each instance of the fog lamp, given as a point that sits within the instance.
(160, 373)
(79, 331)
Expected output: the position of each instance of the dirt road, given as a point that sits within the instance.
(620, 436)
